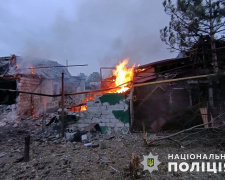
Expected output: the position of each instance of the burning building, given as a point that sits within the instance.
(35, 76)
(157, 95)
(110, 106)
(148, 95)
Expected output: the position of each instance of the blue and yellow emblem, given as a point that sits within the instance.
(150, 162)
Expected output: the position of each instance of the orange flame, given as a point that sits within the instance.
(83, 108)
(32, 68)
(123, 75)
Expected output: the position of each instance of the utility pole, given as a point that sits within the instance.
(63, 99)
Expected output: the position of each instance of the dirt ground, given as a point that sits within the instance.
(55, 158)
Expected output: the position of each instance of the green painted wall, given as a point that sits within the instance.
(122, 116)
(112, 99)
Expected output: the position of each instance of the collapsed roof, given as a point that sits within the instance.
(14, 65)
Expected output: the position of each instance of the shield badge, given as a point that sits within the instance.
(150, 162)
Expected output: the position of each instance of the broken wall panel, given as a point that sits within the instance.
(110, 111)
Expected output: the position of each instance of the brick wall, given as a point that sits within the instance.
(25, 101)
(109, 110)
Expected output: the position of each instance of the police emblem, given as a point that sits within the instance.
(150, 162)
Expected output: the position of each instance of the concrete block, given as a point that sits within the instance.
(96, 120)
(103, 108)
(117, 107)
(104, 120)
(119, 125)
(106, 104)
(80, 121)
(96, 115)
(90, 103)
(89, 115)
(70, 136)
(114, 120)
(111, 124)
(82, 115)
(110, 116)
(94, 110)
(102, 124)
(82, 125)
(105, 112)
(87, 121)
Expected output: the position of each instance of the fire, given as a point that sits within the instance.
(83, 108)
(79, 108)
(32, 68)
(123, 75)
(140, 70)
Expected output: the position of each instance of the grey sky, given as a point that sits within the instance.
(94, 32)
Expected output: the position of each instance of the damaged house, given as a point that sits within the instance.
(159, 101)
(172, 93)
(36, 76)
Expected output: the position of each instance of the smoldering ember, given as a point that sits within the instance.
(162, 119)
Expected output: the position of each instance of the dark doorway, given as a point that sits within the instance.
(7, 97)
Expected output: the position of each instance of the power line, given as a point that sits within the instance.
(105, 90)
(41, 67)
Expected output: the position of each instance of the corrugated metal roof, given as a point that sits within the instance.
(165, 61)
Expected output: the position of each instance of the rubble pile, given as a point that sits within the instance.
(8, 114)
